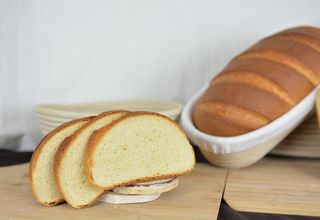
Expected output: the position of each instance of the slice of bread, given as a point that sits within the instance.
(69, 163)
(118, 198)
(140, 146)
(151, 189)
(158, 181)
(43, 183)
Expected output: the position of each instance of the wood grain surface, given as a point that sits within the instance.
(276, 185)
(304, 141)
(197, 197)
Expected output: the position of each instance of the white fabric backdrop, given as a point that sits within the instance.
(77, 51)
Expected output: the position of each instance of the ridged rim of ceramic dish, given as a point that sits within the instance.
(51, 124)
(55, 120)
(64, 118)
(49, 118)
(168, 108)
(225, 145)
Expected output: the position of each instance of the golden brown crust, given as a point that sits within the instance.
(304, 39)
(97, 136)
(54, 203)
(144, 179)
(285, 65)
(304, 30)
(91, 203)
(226, 118)
(294, 83)
(65, 145)
(255, 80)
(217, 125)
(38, 150)
(59, 156)
(57, 161)
(295, 52)
(242, 95)
(94, 139)
(284, 59)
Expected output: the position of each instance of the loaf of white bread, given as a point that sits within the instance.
(261, 83)
(136, 154)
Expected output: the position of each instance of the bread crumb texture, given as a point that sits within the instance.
(140, 147)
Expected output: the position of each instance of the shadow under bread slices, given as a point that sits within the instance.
(69, 163)
(138, 147)
(41, 170)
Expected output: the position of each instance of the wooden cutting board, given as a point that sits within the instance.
(276, 185)
(304, 141)
(197, 197)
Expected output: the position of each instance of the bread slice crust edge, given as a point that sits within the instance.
(38, 150)
(65, 145)
(99, 134)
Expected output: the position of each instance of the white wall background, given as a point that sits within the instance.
(78, 51)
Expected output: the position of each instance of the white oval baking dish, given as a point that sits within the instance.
(244, 150)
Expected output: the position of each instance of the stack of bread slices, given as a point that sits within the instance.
(115, 157)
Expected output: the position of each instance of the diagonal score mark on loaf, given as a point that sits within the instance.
(269, 78)
(285, 59)
(305, 30)
(300, 38)
(305, 35)
(296, 54)
(255, 80)
(296, 85)
(234, 114)
(240, 94)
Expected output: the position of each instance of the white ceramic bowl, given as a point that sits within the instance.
(244, 150)
(51, 116)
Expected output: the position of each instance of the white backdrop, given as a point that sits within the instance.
(78, 51)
